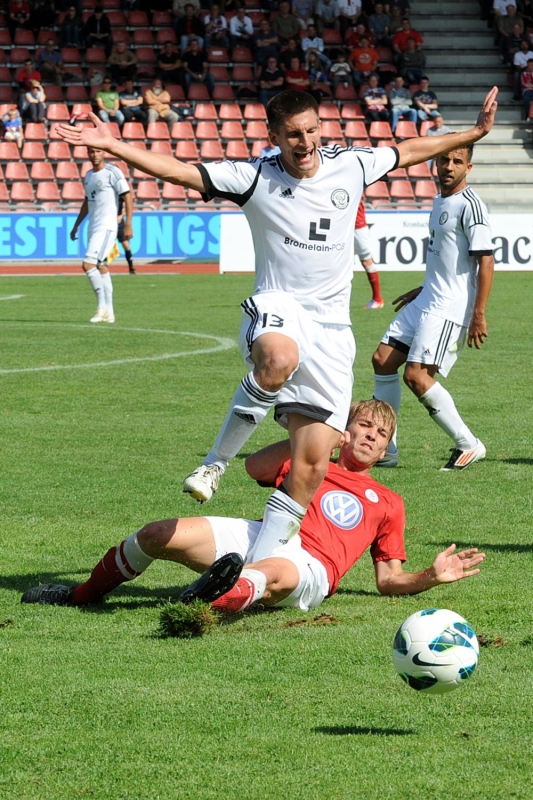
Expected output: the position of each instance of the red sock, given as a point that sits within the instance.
(105, 577)
(373, 279)
(237, 599)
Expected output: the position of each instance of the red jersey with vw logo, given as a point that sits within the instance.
(349, 514)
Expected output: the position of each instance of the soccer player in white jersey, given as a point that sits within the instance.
(104, 184)
(296, 334)
(437, 318)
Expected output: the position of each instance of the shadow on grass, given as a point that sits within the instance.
(357, 730)
(359, 592)
(497, 548)
(528, 461)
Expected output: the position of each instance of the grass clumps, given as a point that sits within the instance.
(186, 621)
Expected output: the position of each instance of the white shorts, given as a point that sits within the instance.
(99, 246)
(240, 536)
(321, 385)
(426, 338)
(361, 243)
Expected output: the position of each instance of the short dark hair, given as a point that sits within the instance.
(287, 104)
(424, 78)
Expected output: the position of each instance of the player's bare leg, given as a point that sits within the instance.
(373, 278)
(270, 580)
(275, 357)
(387, 361)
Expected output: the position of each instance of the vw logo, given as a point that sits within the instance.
(342, 509)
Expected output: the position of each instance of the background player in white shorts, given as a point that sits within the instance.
(104, 185)
(361, 249)
(301, 206)
(436, 318)
(350, 513)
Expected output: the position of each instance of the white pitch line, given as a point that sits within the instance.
(12, 297)
(223, 344)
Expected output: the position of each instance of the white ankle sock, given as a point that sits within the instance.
(108, 291)
(281, 522)
(388, 389)
(442, 410)
(249, 407)
(95, 279)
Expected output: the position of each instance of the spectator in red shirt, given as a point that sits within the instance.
(526, 82)
(26, 75)
(18, 16)
(296, 77)
(354, 35)
(363, 60)
(399, 40)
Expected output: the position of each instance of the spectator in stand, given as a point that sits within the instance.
(525, 8)
(270, 81)
(43, 15)
(303, 11)
(266, 43)
(50, 63)
(379, 26)
(520, 63)
(400, 103)
(318, 77)
(72, 29)
(506, 29)
(354, 35)
(131, 104)
(286, 25)
(438, 128)
(403, 5)
(312, 43)
(19, 16)
(399, 40)
(412, 63)
(395, 19)
(296, 77)
(293, 50)
(350, 11)
(425, 101)
(169, 65)
(327, 15)
(216, 28)
(98, 31)
(190, 27)
(157, 101)
(35, 99)
(375, 99)
(341, 72)
(26, 75)
(13, 128)
(241, 30)
(526, 83)
(363, 60)
(122, 63)
(196, 67)
(499, 7)
(108, 104)
(179, 7)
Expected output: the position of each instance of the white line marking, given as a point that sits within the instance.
(12, 297)
(223, 344)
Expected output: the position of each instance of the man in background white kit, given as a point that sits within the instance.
(104, 185)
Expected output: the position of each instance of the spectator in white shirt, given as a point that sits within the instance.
(350, 11)
(241, 30)
(314, 44)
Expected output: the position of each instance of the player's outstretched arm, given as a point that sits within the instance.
(164, 167)
(448, 567)
(264, 466)
(414, 151)
(477, 330)
(406, 298)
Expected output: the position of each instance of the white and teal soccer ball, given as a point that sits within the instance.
(435, 651)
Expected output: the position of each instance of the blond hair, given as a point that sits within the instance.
(378, 410)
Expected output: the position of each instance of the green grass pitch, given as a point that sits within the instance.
(99, 426)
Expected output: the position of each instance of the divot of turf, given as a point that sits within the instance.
(186, 621)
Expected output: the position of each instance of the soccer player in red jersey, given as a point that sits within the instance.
(350, 513)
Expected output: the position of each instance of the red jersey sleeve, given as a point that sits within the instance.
(389, 543)
(360, 220)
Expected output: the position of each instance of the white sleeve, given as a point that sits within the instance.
(230, 180)
(476, 225)
(376, 162)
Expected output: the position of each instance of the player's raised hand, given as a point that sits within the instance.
(100, 136)
(487, 114)
(450, 566)
(405, 299)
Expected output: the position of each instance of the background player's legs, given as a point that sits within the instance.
(386, 362)
(373, 278)
(311, 446)
(276, 357)
(108, 292)
(129, 258)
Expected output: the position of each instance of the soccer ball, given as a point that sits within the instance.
(435, 650)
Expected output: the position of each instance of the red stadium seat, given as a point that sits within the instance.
(165, 35)
(241, 73)
(217, 55)
(9, 151)
(238, 150)
(354, 129)
(377, 191)
(139, 19)
(325, 111)
(121, 35)
(24, 38)
(399, 172)
(254, 111)
(205, 111)
(406, 130)
(5, 107)
(160, 19)
(73, 192)
(19, 55)
(176, 92)
(67, 171)
(75, 94)
(161, 146)
(331, 37)
(230, 111)
(33, 151)
(5, 38)
(223, 93)
(206, 130)
(17, 171)
(425, 189)
(71, 55)
(171, 191)
(139, 175)
(242, 55)
(47, 192)
(157, 130)
(331, 129)
(231, 129)
(79, 152)
(219, 72)
(182, 130)
(401, 189)
(124, 168)
(42, 171)
(257, 147)
(22, 192)
(4, 195)
(44, 35)
(58, 151)
(95, 55)
(118, 20)
(419, 171)
(424, 127)
(212, 150)
(35, 131)
(197, 91)
(256, 129)
(145, 55)
(186, 151)
(148, 192)
(345, 93)
(380, 130)
(143, 36)
(133, 130)
(57, 112)
(352, 111)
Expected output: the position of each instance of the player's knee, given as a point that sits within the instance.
(412, 379)
(154, 537)
(378, 360)
(275, 369)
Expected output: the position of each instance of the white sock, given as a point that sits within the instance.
(131, 552)
(388, 389)
(95, 279)
(259, 582)
(281, 522)
(108, 291)
(442, 410)
(249, 407)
